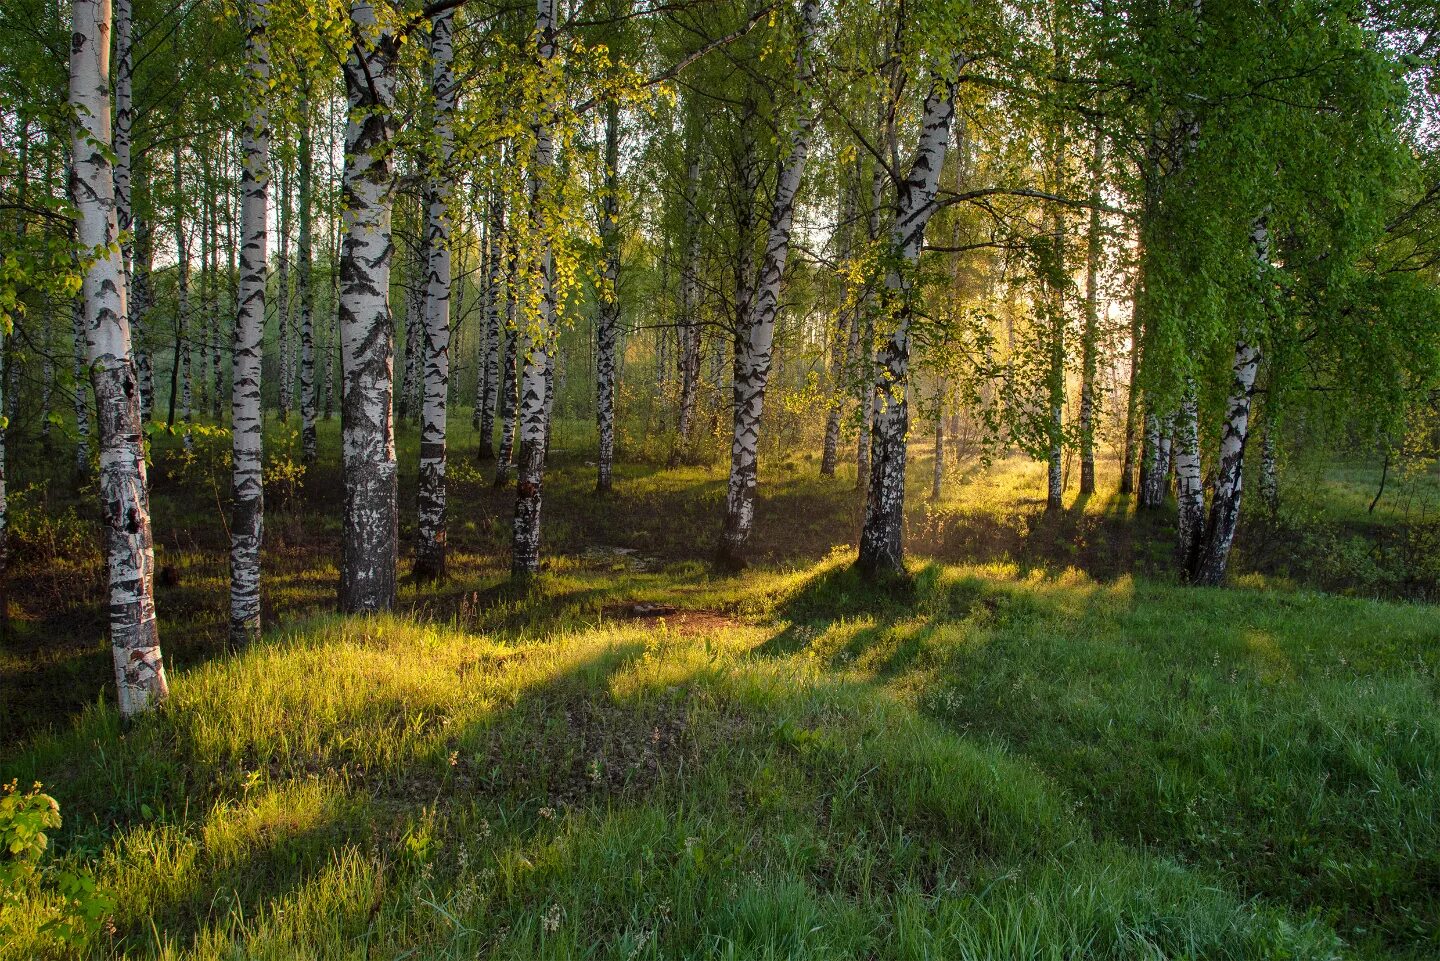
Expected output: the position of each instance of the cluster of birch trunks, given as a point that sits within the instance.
(521, 315)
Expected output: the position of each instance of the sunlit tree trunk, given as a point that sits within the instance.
(842, 349)
(282, 294)
(494, 322)
(1132, 401)
(882, 537)
(536, 379)
(183, 342)
(370, 531)
(217, 377)
(124, 499)
(689, 329)
(607, 324)
(435, 355)
(305, 284)
(937, 479)
(1090, 334)
(755, 338)
(247, 514)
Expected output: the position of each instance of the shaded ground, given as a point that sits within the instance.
(54, 660)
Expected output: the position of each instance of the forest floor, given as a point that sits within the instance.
(1040, 747)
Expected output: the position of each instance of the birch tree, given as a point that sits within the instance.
(539, 333)
(247, 515)
(305, 284)
(430, 530)
(370, 527)
(882, 537)
(754, 339)
(124, 501)
(607, 318)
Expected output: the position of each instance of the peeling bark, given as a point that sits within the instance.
(882, 538)
(607, 321)
(536, 378)
(754, 339)
(370, 532)
(435, 339)
(494, 322)
(124, 501)
(246, 411)
(304, 282)
(1090, 334)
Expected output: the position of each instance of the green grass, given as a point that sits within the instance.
(1040, 747)
(980, 767)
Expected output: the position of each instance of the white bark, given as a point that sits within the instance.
(246, 411)
(882, 549)
(689, 330)
(608, 313)
(754, 340)
(305, 282)
(536, 380)
(435, 339)
(282, 296)
(1214, 551)
(1189, 489)
(182, 305)
(130, 556)
(82, 396)
(370, 531)
(1090, 333)
(842, 348)
(494, 322)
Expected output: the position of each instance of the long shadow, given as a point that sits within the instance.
(562, 740)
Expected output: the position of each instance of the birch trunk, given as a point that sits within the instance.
(309, 444)
(1269, 480)
(1151, 471)
(182, 306)
(141, 300)
(938, 477)
(865, 356)
(282, 297)
(536, 380)
(1189, 489)
(754, 339)
(494, 306)
(1090, 333)
(842, 350)
(370, 531)
(217, 379)
(1213, 554)
(246, 411)
(124, 139)
(430, 495)
(124, 501)
(505, 460)
(82, 400)
(689, 330)
(207, 290)
(882, 549)
(1132, 400)
(608, 314)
